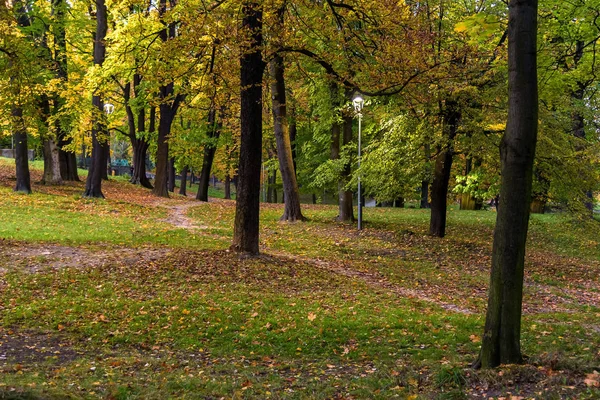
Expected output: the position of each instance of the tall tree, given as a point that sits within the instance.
(68, 161)
(93, 184)
(501, 342)
(137, 132)
(23, 183)
(247, 209)
(291, 194)
(441, 171)
(214, 131)
(169, 104)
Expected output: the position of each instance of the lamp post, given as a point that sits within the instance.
(109, 108)
(358, 106)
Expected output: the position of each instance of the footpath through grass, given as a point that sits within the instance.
(135, 297)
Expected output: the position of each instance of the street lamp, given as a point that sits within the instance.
(109, 108)
(358, 106)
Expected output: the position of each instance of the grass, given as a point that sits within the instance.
(109, 299)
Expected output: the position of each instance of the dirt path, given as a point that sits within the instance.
(36, 257)
(178, 216)
(374, 280)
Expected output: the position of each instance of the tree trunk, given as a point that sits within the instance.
(106, 149)
(139, 143)
(502, 333)
(424, 194)
(246, 225)
(209, 155)
(162, 152)
(97, 169)
(346, 210)
(138, 177)
(183, 186)
(52, 175)
(67, 159)
(292, 211)
(21, 157)
(168, 109)
(441, 173)
(227, 187)
(293, 135)
(171, 175)
(271, 188)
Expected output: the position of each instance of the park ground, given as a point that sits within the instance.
(135, 297)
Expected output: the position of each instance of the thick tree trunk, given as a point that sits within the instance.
(291, 194)
(209, 155)
(162, 152)
(52, 175)
(97, 169)
(68, 161)
(501, 342)
(441, 172)
(183, 186)
(246, 225)
(23, 184)
(138, 177)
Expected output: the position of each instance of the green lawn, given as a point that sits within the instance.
(116, 299)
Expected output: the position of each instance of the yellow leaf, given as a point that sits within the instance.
(312, 316)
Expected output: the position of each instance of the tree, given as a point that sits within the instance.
(502, 332)
(19, 127)
(93, 185)
(291, 194)
(247, 209)
(169, 104)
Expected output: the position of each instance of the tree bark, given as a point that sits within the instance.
(442, 169)
(424, 194)
(209, 154)
(67, 159)
(291, 193)
(168, 109)
(137, 136)
(246, 225)
(502, 332)
(183, 186)
(97, 169)
(227, 187)
(23, 184)
(271, 186)
(346, 210)
(171, 175)
(51, 175)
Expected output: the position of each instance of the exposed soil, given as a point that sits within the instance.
(35, 257)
